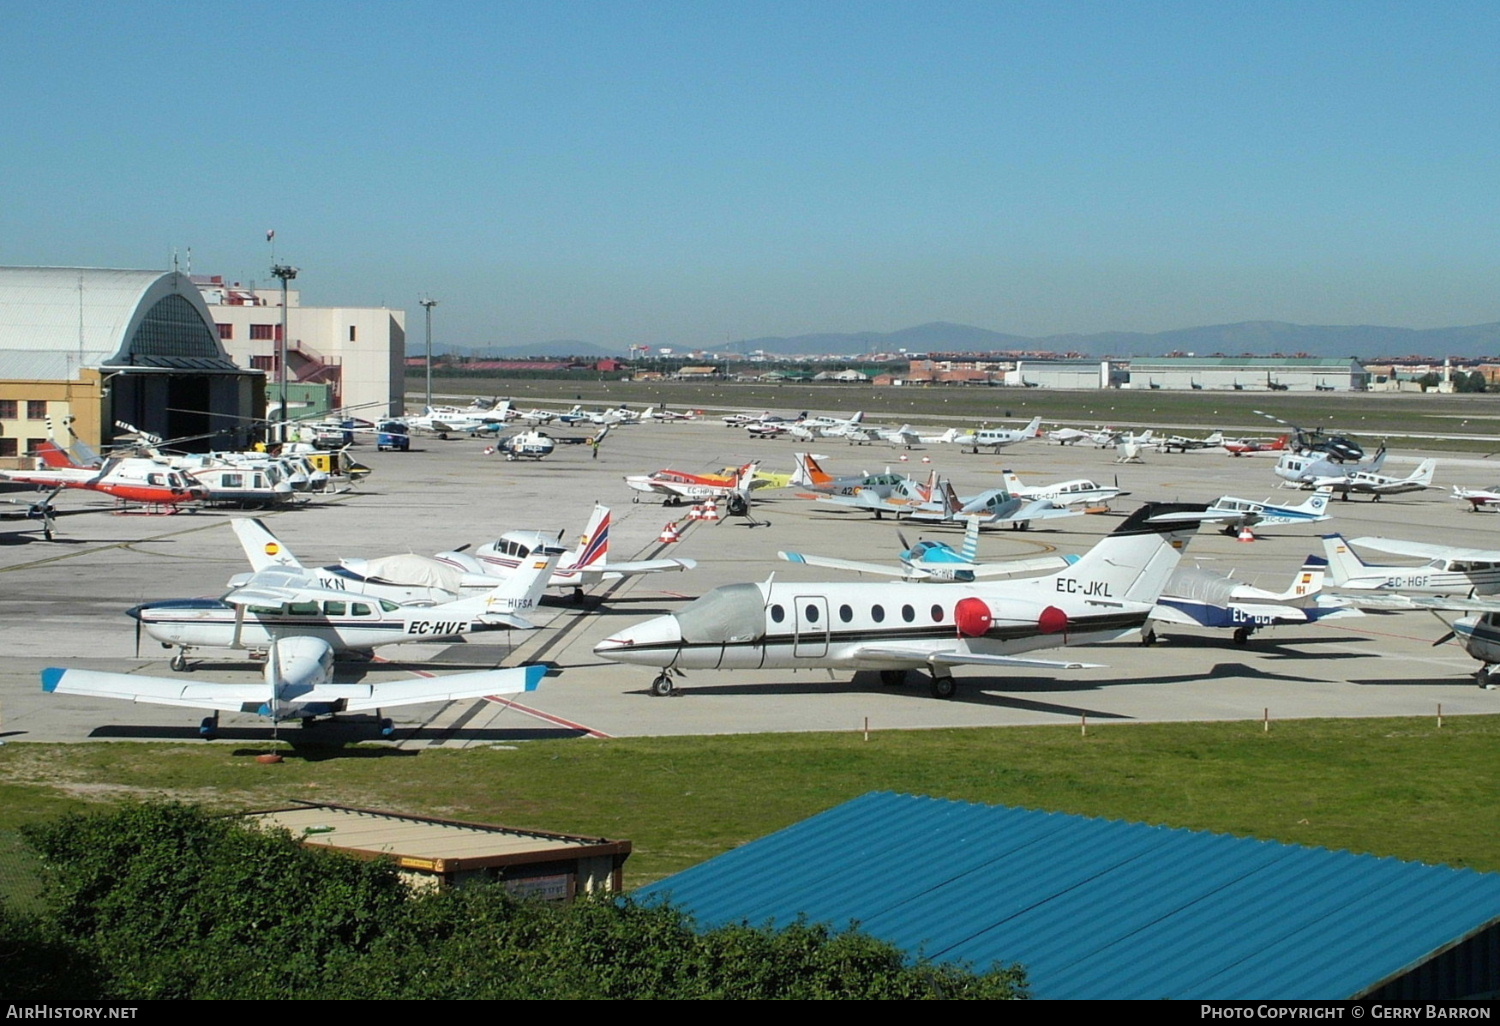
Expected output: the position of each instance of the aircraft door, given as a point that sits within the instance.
(810, 614)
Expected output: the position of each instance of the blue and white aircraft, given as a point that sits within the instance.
(1239, 513)
(1201, 598)
(937, 561)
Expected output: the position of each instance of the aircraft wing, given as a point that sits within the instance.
(614, 571)
(876, 652)
(1388, 602)
(883, 569)
(1041, 509)
(1252, 610)
(863, 500)
(452, 688)
(1424, 550)
(156, 690)
(1010, 567)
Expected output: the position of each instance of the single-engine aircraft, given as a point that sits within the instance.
(282, 602)
(1449, 570)
(1237, 514)
(298, 685)
(679, 486)
(1478, 498)
(895, 626)
(1077, 492)
(1202, 598)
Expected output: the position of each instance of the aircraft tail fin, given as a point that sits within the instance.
(1343, 564)
(519, 594)
(262, 548)
(1317, 502)
(1377, 463)
(970, 549)
(1013, 482)
(1423, 474)
(809, 473)
(951, 502)
(1032, 429)
(52, 455)
(593, 547)
(1308, 581)
(1134, 562)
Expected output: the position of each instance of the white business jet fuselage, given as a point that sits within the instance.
(897, 626)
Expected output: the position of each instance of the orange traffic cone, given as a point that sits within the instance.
(1246, 535)
(670, 533)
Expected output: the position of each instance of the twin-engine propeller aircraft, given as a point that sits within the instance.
(1202, 598)
(896, 626)
(1367, 482)
(996, 439)
(286, 601)
(937, 561)
(298, 685)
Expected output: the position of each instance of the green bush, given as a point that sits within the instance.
(162, 901)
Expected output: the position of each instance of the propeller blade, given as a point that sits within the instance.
(905, 545)
(1446, 637)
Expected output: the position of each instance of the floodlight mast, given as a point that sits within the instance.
(286, 273)
(429, 303)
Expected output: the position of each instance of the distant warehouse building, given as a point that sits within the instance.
(1250, 373)
(1065, 374)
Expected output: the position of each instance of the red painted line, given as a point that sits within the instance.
(544, 716)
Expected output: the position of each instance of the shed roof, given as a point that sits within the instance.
(1097, 908)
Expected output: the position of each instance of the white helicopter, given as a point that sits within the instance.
(530, 445)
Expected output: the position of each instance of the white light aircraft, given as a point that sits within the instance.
(1376, 486)
(281, 602)
(995, 506)
(1449, 570)
(997, 438)
(1478, 498)
(1079, 491)
(1202, 598)
(1241, 513)
(1100, 438)
(298, 684)
(895, 626)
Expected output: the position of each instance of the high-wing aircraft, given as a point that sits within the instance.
(833, 427)
(1079, 491)
(1254, 446)
(937, 561)
(679, 486)
(1202, 598)
(282, 602)
(450, 420)
(895, 626)
(1376, 486)
(1241, 513)
(1182, 443)
(1449, 570)
(130, 479)
(1102, 438)
(298, 685)
(666, 416)
(997, 438)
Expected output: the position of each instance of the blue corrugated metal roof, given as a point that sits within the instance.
(1096, 908)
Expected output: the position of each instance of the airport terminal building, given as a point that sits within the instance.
(102, 346)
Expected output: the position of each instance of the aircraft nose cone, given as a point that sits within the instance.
(654, 642)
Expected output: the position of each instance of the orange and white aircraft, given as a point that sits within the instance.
(130, 479)
(678, 485)
(1251, 446)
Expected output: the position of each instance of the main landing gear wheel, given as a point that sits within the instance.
(209, 728)
(943, 687)
(179, 663)
(662, 686)
(1484, 678)
(1148, 636)
(1242, 635)
(892, 678)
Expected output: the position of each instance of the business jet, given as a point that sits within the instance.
(281, 602)
(298, 685)
(896, 626)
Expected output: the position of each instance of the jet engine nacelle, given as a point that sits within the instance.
(976, 617)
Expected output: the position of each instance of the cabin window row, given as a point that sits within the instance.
(812, 612)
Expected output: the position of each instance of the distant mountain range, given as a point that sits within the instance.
(1260, 338)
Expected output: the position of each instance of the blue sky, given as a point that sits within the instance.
(680, 174)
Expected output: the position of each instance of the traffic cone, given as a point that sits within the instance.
(710, 512)
(926, 459)
(1246, 535)
(902, 458)
(670, 533)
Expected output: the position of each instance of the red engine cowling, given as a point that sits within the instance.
(974, 617)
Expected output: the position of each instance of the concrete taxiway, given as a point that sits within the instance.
(62, 603)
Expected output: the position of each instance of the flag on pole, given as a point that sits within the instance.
(270, 234)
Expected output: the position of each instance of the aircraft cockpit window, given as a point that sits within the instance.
(522, 551)
(154, 479)
(388, 606)
(1444, 564)
(732, 613)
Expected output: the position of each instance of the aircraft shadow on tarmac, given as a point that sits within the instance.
(339, 739)
(1457, 680)
(1271, 646)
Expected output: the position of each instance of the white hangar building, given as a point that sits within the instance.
(1250, 373)
(105, 345)
(1065, 374)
